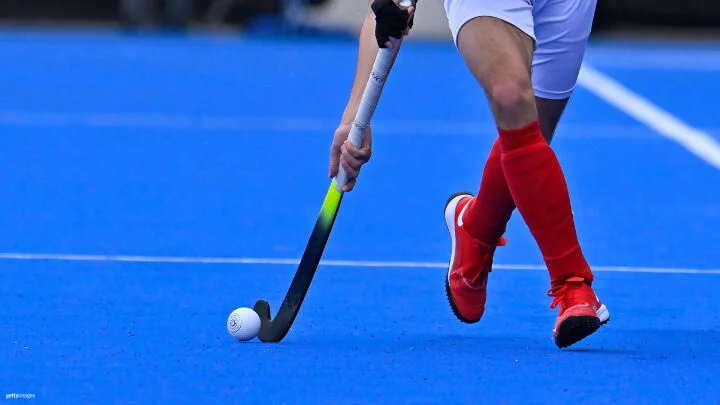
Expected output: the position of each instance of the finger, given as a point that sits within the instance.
(333, 167)
(411, 18)
(353, 160)
(349, 185)
(350, 164)
(334, 161)
(361, 154)
(367, 141)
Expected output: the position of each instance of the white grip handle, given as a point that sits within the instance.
(369, 101)
(371, 96)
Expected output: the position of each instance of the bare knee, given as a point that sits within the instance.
(512, 101)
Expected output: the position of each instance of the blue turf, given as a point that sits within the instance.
(202, 146)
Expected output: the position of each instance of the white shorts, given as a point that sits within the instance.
(560, 29)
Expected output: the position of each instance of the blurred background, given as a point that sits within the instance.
(651, 17)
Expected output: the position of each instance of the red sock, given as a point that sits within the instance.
(486, 216)
(537, 184)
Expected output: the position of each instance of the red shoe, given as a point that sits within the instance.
(470, 264)
(581, 312)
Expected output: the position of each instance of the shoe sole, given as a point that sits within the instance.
(576, 328)
(450, 223)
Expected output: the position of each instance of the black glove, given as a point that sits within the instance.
(390, 21)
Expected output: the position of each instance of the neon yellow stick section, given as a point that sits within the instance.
(331, 203)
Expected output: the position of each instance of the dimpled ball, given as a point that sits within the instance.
(243, 324)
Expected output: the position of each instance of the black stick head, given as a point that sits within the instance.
(262, 308)
(266, 334)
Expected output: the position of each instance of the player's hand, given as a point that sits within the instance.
(343, 152)
(391, 21)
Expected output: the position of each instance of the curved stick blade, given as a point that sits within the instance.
(266, 334)
(262, 308)
(274, 330)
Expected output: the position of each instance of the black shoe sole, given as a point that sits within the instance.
(577, 328)
(454, 307)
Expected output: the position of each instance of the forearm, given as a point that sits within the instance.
(367, 51)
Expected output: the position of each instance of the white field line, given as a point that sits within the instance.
(696, 141)
(294, 125)
(329, 263)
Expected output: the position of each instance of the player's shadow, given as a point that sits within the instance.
(662, 342)
(615, 341)
(526, 344)
(601, 350)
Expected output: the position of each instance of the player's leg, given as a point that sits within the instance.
(549, 113)
(523, 156)
(491, 211)
(556, 64)
(562, 28)
(500, 56)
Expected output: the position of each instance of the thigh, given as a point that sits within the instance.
(495, 37)
(496, 41)
(517, 13)
(496, 51)
(562, 28)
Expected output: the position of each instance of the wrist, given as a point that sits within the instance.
(348, 116)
